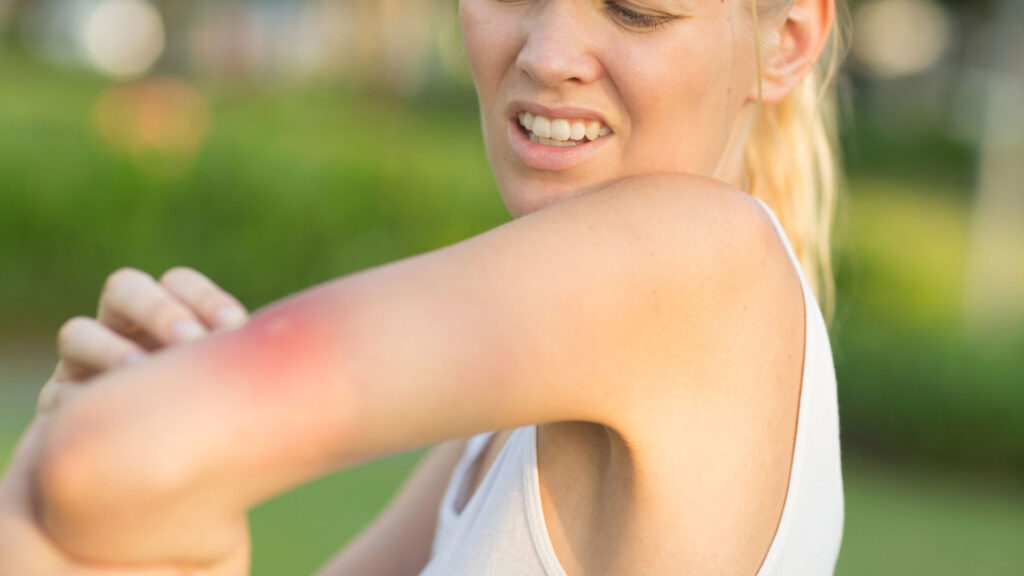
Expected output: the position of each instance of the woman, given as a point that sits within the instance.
(641, 336)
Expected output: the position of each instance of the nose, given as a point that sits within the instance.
(556, 46)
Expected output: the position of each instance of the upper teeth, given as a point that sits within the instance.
(562, 130)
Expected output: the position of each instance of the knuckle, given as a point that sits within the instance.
(210, 299)
(162, 315)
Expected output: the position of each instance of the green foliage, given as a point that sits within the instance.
(915, 381)
(288, 190)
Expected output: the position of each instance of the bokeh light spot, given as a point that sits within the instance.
(124, 38)
(162, 116)
(900, 37)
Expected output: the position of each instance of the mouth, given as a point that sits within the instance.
(561, 132)
(556, 139)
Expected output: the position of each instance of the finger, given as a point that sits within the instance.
(65, 373)
(55, 394)
(15, 486)
(133, 299)
(48, 397)
(218, 309)
(87, 347)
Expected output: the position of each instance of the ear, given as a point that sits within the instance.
(801, 38)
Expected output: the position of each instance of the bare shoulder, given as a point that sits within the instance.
(715, 303)
(663, 208)
(699, 461)
(723, 285)
(716, 239)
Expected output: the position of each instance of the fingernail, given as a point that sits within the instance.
(134, 357)
(188, 330)
(231, 317)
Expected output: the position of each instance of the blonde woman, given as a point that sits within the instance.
(632, 376)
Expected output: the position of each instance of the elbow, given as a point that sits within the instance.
(90, 491)
(65, 490)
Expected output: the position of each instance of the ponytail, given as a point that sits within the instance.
(793, 165)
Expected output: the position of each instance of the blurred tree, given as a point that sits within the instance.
(396, 41)
(16, 10)
(177, 15)
(995, 274)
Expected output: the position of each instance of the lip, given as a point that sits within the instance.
(567, 112)
(552, 158)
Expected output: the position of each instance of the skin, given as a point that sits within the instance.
(137, 314)
(614, 293)
(668, 113)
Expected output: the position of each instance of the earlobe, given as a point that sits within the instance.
(801, 38)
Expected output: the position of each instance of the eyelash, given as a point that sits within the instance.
(635, 19)
(627, 17)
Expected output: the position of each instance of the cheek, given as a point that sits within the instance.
(484, 35)
(678, 102)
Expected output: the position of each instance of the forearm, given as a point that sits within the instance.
(157, 462)
(161, 461)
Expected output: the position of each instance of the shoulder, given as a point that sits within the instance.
(716, 248)
(701, 236)
(691, 275)
(704, 221)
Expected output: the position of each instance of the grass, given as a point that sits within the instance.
(928, 521)
(296, 533)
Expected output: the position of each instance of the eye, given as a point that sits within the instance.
(634, 19)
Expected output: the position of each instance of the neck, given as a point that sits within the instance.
(732, 167)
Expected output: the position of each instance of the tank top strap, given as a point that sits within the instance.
(456, 485)
(785, 241)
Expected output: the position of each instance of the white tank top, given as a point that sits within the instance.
(500, 531)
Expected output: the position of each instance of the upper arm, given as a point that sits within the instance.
(399, 540)
(575, 312)
(587, 310)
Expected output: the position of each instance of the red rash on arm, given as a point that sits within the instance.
(153, 447)
(293, 339)
(283, 379)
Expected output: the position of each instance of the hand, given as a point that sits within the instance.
(137, 315)
(25, 550)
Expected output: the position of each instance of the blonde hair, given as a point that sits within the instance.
(792, 157)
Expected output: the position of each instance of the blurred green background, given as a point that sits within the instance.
(275, 145)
